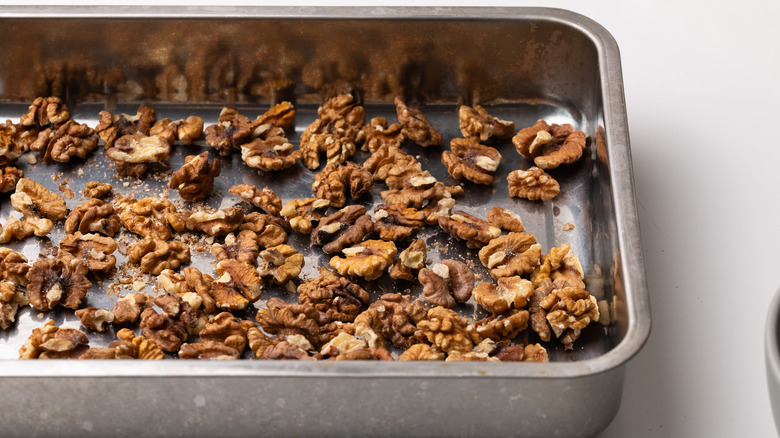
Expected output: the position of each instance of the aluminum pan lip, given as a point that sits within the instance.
(616, 129)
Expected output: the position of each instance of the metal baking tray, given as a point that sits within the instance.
(522, 64)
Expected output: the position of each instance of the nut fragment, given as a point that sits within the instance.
(532, 184)
(302, 212)
(378, 133)
(243, 247)
(471, 160)
(230, 132)
(155, 255)
(223, 337)
(416, 126)
(476, 123)
(342, 228)
(263, 198)
(512, 292)
(417, 190)
(95, 319)
(512, 254)
(150, 217)
(15, 140)
(506, 219)
(9, 177)
(334, 132)
(475, 231)
(333, 295)
(393, 166)
(368, 259)
(569, 310)
(392, 318)
(191, 281)
(447, 283)
(34, 200)
(446, 330)
(111, 127)
(132, 154)
(550, 145)
(94, 249)
(56, 282)
(238, 285)
(284, 319)
(281, 115)
(64, 142)
(52, 342)
(93, 216)
(11, 297)
(334, 180)
(195, 179)
(96, 189)
(410, 261)
(216, 223)
(280, 264)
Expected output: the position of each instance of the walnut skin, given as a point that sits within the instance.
(14, 229)
(11, 297)
(532, 184)
(263, 198)
(512, 292)
(409, 262)
(238, 285)
(476, 123)
(397, 223)
(185, 131)
(45, 111)
(154, 255)
(270, 230)
(151, 217)
(512, 254)
(96, 189)
(270, 154)
(471, 160)
(280, 264)
(132, 154)
(447, 283)
(243, 247)
(34, 200)
(368, 259)
(216, 223)
(569, 310)
(475, 231)
(52, 342)
(506, 219)
(111, 127)
(336, 296)
(500, 327)
(94, 249)
(195, 179)
(93, 216)
(550, 145)
(393, 319)
(378, 133)
(95, 319)
(55, 282)
(231, 131)
(446, 330)
(302, 212)
(342, 228)
(334, 180)
(416, 126)
(13, 266)
(9, 177)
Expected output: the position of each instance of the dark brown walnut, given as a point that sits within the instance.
(333, 182)
(533, 184)
(416, 127)
(230, 132)
(208, 350)
(128, 308)
(190, 281)
(393, 166)
(93, 216)
(302, 213)
(270, 230)
(283, 350)
(13, 266)
(130, 346)
(569, 310)
(111, 127)
(45, 111)
(150, 217)
(477, 124)
(550, 146)
(511, 254)
(410, 261)
(65, 142)
(184, 131)
(168, 329)
(243, 247)
(133, 154)
(343, 107)
(34, 200)
(345, 227)
(52, 342)
(94, 249)
(538, 313)
(379, 133)
(368, 259)
(155, 255)
(281, 115)
(216, 223)
(263, 198)
(333, 295)
(226, 329)
(475, 231)
(270, 154)
(530, 353)
(9, 177)
(285, 320)
(97, 189)
(511, 292)
(238, 285)
(280, 264)
(501, 327)
(417, 190)
(195, 179)
(14, 229)
(95, 319)
(55, 282)
(421, 352)
(471, 160)
(505, 219)
(397, 223)
(392, 318)
(447, 283)
(446, 330)
(11, 297)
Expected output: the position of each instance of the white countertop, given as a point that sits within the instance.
(701, 84)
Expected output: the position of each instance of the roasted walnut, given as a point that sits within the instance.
(208, 350)
(52, 342)
(243, 247)
(344, 344)
(15, 140)
(270, 154)
(500, 327)
(280, 264)
(284, 320)
(476, 123)
(569, 310)
(553, 261)
(111, 127)
(438, 207)
(34, 200)
(337, 149)
(532, 184)
(393, 319)
(231, 131)
(132, 154)
(64, 142)
(130, 346)
(270, 230)
(281, 115)
(410, 261)
(56, 282)
(238, 285)
(475, 231)
(216, 223)
(302, 212)
(9, 177)
(397, 223)
(128, 308)
(96, 189)
(195, 179)
(190, 281)
(417, 190)
(13, 266)
(506, 219)
(45, 111)
(94, 249)
(169, 329)
(393, 166)
(185, 131)
(11, 297)
(14, 229)
(422, 352)
(550, 145)
(471, 160)
(538, 313)
(95, 319)
(333, 182)
(512, 254)
(446, 330)
(283, 350)
(378, 133)
(512, 292)
(154, 255)
(223, 337)
(263, 198)
(416, 126)
(151, 217)
(93, 216)
(336, 296)
(447, 283)
(342, 228)
(368, 259)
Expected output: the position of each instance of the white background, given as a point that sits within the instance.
(701, 84)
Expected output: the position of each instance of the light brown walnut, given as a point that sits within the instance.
(270, 230)
(11, 297)
(471, 160)
(447, 283)
(367, 259)
(45, 111)
(55, 282)
(348, 226)
(476, 123)
(32, 199)
(155, 255)
(111, 127)
(538, 313)
(569, 310)
(263, 198)
(393, 166)
(446, 330)
(379, 133)
(128, 308)
(334, 181)
(337, 149)
(391, 319)
(532, 184)
(93, 216)
(500, 327)
(335, 296)
(130, 346)
(302, 213)
(9, 177)
(190, 281)
(94, 249)
(226, 330)
(511, 254)
(417, 190)
(397, 223)
(243, 247)
(230, 132)
(208, 350)
(506, 219)
(97, 189)
(151, 217)
(552, 261)
(15, 229)
(13, 266)
(550, 146)
(280, 264)
(184, 131)
(95, 319)
(285, 320)
(422, 352)
(216, 222)
(511, 293)
(133, 154)
(475, 231)
(416, 127)
(438, 207)
(15, 140)
(52, 342)
(281, 115)
(238, 285)
(410, 261)
(62, 143)
(270, 154)
(283, 350)
(169, 329)
(195, 179)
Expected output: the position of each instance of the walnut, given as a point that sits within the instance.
(416, 126)
(243, 248)
(446, 330)
(169, 329)
(281, 115)
(216, 223)
(208, 350)
(393, 166)
(410, 261)
(422, 352)
(270, 230)
(284, 350)
(34, 200)
(512, 292)
(447, 283)
(15, 140)
(263, 198)
(13, 266)
(284, 319)
(475, 231)
(553, 261)
(342, 345)
(392, 318)
(550, 145)
(417, 190)
(270, 154)
(512, 254)
(532, 184)
(238, 285)
(471, 356)
(527, 353)
(397, 223)
(64, 142)
(477, 124)
(378, 133)
(506, 219)
(95, 319)
(128, 308)
(337, 149)
(96, 189)
(368, 259)
(132, 154)
(111, 127)
(231, 131)
(334, 180)
(342, 228)
(93, 216)
(258, 341)
(471, 160)
(500, 327)
(130, 346)
(280, 264)
(154, 254)
(14, 229)
(569, 310)
(195, 179)
(94, 249)
(336, 296)
(52, 342)
(223, 337)
(438, 207)
(538, 313)
(45, 111)
(302, 212)
(190, 281)
(9, 177)
(185, 131)
(11, 297)
(53, 281)
(151, 217)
